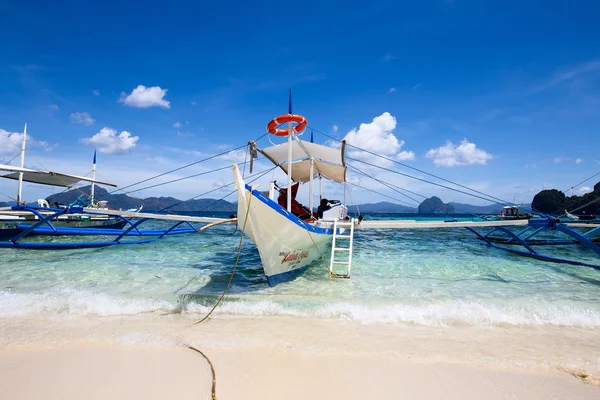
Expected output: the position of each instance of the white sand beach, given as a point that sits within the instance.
(144, 357)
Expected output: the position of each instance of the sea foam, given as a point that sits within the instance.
(443, 313)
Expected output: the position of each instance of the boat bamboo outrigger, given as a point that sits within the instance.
(290, 237)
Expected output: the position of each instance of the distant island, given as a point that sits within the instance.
(546, 201)
(435, 205)
(554, 201)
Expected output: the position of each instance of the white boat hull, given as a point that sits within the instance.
(286, 244)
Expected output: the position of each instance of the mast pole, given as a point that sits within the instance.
(19, 200)
(290, 133)
(92, 190)
(310, 187)
(320, 188)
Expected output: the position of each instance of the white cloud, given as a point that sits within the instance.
(418, 85)
(534, 166)
(107, 141)
(377, 137)
(177, 125)
(54, 107)
(10, 143)
(584, 190)
(560, 159)
(579, 161)
(95, 93)
(219, 182)
(335, 128)
(194, 103)
(571, 73)
(392, 90)
(236, 156)
(451, 155)
(405, 155)
(82, 118)
(144, 97)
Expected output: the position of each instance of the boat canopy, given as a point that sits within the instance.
(46, 177)
(328, 161)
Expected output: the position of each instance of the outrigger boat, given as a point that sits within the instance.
(290, 237)
(288, 240)
(13, 221)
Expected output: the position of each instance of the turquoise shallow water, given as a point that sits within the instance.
(431, 277)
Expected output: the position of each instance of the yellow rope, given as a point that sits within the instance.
(212, 370)
(12, 198)
(234, 266)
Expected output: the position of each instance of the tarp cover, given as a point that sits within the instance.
(45, 177)
(328, 161)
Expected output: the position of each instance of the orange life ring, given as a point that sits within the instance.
(300, 121)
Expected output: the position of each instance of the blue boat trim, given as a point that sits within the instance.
(282, 211)
(285, 276)
(528, 241)
(43, 226)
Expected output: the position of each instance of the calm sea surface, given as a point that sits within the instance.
(430, 277)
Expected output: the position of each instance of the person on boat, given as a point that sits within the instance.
(324, 206)
(297, 209)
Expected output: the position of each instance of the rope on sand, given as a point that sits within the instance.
(212, 369)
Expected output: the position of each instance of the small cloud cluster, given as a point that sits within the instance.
(579, 161)
(144, 97)
(177, 125)
(10, 143)
(583, 190)
(81, 118)
(95, 93)
(451, 155)
(392, 90)
(236, 156)
(335, 128)
(54, 107)
(378, 137)
(107, 141)
(560, 159)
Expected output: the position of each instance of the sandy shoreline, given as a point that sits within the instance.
(294, 358)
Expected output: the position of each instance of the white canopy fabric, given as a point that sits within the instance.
(46, 177)
(328, 161)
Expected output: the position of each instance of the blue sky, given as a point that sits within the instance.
(518, 83)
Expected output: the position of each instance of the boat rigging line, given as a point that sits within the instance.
(424, 180)
(495, 199)
(255, 177)
(389, 185)
(379, 193)
(184, 166)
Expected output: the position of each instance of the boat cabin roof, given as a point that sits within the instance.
(328, 161)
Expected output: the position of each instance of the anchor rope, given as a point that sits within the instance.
(212, 371)
(237, 260)
(495, 199)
